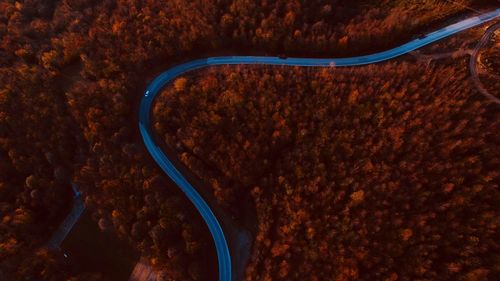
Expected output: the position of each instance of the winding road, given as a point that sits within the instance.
(473, 63)
(153, 89)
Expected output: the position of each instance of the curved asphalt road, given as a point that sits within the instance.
(473, 63)
(224, 259)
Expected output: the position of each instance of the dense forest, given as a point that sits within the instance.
(386, 172)
(71, 73)
(490, 64)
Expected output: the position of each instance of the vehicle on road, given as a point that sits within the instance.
(154, 88)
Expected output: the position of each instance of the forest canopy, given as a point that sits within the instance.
(71, 73)
(382, 172)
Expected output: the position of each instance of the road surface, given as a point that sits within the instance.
(473, 63)
(153, 89)
(70, 220)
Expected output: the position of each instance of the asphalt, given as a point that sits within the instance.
(71, 219)
(154, 88)
(473, 63)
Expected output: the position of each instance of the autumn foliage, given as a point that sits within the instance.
(385, 172)
(71, 73)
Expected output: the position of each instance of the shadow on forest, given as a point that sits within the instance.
(91, 250)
